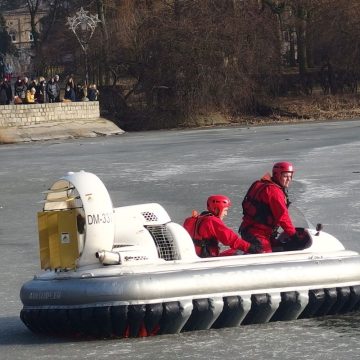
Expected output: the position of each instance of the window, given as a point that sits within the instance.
(31, 37)
(13, 37)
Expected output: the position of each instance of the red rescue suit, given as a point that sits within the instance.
(265, 208)
(208, 230)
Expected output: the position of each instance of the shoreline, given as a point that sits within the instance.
(290, 110)
(281, 111)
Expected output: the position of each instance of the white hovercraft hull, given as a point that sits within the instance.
(136, 274)
(173, 298)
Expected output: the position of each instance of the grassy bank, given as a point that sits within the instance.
(306, 108)
(278, 110)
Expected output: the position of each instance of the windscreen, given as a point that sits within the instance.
(298, 218)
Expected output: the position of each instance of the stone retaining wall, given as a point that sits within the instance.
(25, 115)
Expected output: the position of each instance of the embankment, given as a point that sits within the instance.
(34, 122)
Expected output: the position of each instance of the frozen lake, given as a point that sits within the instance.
(180, 169)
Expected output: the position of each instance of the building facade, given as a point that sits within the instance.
(18, 23)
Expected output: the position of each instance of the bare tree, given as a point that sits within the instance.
(208, 56)
(33, 6)
(298, 14)
(337, 44)
(6, 45)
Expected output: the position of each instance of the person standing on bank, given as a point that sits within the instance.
(208, 230)
(265, 208)
(58, 87)
(3, 93)
(69, 94)
(41, 95)
(52, 90)
(20, 89)
(6, 95)
(30, 96)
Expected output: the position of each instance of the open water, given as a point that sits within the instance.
(179, 169)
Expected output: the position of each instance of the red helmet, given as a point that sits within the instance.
(281, 167)
(216, 203)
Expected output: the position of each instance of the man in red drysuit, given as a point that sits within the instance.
(208, 229)
(265, 208)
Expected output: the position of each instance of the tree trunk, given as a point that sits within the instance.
(292, 55)
(309, 53)
(104, 65)
(33, 8)
(301, 39)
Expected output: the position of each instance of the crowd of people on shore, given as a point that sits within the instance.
(39, 91)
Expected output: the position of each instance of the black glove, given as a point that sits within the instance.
(255, 249)
(299, 236)
(295, 238)
(297, 242)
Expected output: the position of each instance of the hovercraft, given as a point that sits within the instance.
(130, 271)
